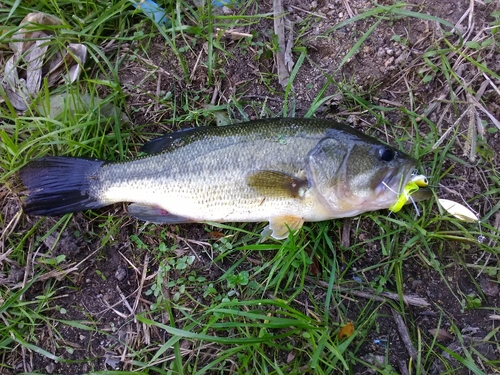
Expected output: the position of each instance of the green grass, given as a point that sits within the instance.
(232, 304)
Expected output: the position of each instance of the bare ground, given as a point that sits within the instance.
(109, 286)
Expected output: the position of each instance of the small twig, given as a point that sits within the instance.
(486, 112)
(385, 128)
(403, 368)
(120, 314)
(152, 65)
(24, 356)
(470, 140)
(141, 284)
(9, 229)
(403, 333)
(58, 274)
(188, 243)
(307, 12)
(395, 104)
(451, 191)
(279, 30)
(215, 94)
(289, 45)
(467, 13)
(448, 131)
(233, 32)
(410, 93)
(123, 355)
(124, 300)
(158, 90)
(369, 293)
(491, 83)
(346, 233)
(349, 9)
(409, 300)
(129, 262)
(4, 256)
(432, 106)
(29, 265)
(191, 77)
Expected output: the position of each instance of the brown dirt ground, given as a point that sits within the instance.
(109, 276)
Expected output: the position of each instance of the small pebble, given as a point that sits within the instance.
(415, 284)
(389, 61)
(50, 368)
(121, 273)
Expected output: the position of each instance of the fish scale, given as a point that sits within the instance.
(211, 181)
(285, 171)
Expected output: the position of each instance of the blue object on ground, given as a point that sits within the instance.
(225, 3)
(155, 12)
(381, 342)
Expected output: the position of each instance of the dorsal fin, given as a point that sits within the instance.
(157, 145)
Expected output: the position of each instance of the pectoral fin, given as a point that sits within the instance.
(277, 184)
(280, 226)
(155, 214)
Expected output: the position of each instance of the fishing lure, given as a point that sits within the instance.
(410, 188)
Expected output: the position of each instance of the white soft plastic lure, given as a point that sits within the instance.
(458, 210)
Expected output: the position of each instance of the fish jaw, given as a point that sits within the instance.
(387, 192)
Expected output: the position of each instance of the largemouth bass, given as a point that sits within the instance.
(284, 171)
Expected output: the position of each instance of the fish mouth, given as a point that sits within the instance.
(394, 182)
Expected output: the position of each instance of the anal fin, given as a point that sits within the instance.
(280, 226)
(155, 214)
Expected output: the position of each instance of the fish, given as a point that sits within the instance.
(283, 171)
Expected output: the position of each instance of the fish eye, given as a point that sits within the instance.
(386, 154)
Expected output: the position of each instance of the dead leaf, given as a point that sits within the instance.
(27, 36)
(279, 30)
(25, 70)
(315, 267)
(15, 87)
(441, 334)
(216, 235)
(79, 54)
(41, 18)
(60, 103)
(289, 45)
(68, 67)
(34, 58)
(346, 331)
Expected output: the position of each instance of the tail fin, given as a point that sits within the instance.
(58, 185)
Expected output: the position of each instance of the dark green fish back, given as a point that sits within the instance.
(278, 129)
